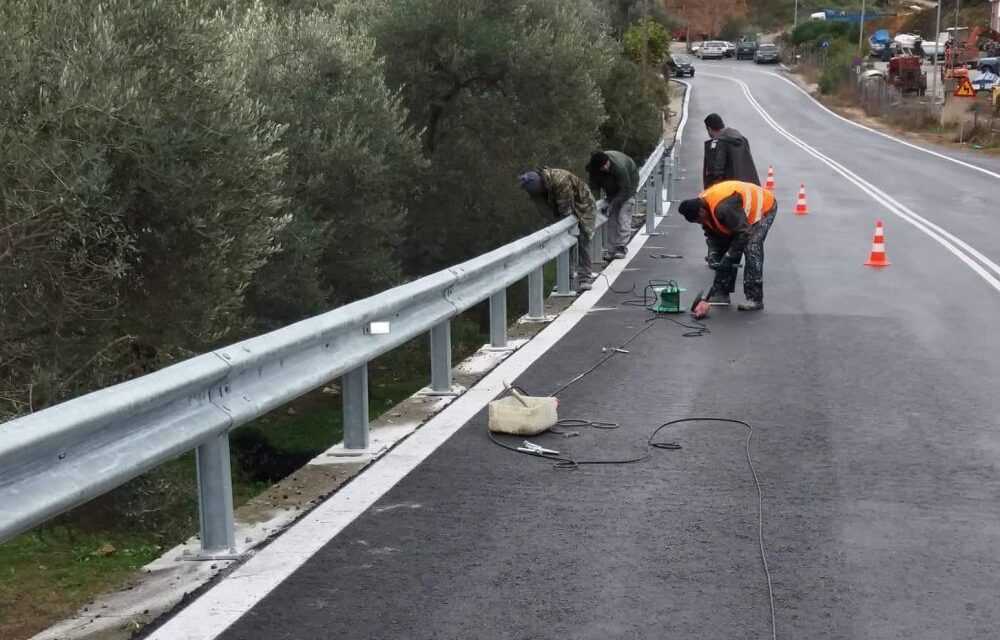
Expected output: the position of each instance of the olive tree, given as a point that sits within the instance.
(352, 157)
(138, 194)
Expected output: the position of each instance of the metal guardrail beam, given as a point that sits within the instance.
(65, 455)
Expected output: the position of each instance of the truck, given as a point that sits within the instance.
(831, 15)
(932, 48)
(905, 74)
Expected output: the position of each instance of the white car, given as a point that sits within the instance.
(711, 49)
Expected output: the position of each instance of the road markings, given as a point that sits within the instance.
(943, 237)
(942, 156)
(224, 603)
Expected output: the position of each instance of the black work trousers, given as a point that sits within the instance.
(753, 270)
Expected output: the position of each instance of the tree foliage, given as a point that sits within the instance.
(178, 175)
(139, 194)
(646, 42)
(495, 88)
(351, 157)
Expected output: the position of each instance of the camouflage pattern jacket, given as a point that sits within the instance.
(567, 195)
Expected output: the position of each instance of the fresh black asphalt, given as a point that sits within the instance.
(873, 400)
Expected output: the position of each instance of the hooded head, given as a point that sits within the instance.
(531, 181)
(690, 209)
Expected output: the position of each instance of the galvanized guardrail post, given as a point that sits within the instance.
(498, 320)
(441, 357)
(652, 204)
(536, 295)
(668, 166)
(563, 285)
(215, 497)
(354, 398)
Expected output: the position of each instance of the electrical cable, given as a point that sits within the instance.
(695, 329)
(566, 463)
(563, 462)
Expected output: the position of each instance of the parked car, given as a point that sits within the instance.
(711, 49)
(878, 41)
(989, 64)
(745, 49)
(730, 49)
(765, 53)
(680, 65)
(694, 48)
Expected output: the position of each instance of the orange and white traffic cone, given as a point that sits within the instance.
(769, 185)
(877, 257)
(801, 208)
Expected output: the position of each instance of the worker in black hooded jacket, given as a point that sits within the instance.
(727, 154)
(727, 157)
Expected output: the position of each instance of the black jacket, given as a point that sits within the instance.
(728, 158)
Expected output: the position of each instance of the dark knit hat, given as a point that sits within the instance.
(597, 160)
(690, 209)
(714, 122)
(531, 181)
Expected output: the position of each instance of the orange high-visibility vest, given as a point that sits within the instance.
(757, 202)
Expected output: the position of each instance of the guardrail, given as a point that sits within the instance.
(65, 455)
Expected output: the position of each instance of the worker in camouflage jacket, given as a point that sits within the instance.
(617, 176)
(559, 193)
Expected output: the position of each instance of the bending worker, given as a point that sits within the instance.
(736, 217)
(616, 174)
(559, 193)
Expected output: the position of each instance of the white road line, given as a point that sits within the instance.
(943, 237)
(222, 605)
(942, 156)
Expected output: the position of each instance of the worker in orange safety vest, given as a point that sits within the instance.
(735, 217)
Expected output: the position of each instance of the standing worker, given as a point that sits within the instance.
(727, 157)
(736, 217)
(616, 175)
(727, 154)
(559, 193)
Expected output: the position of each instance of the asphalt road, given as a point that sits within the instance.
(873, 399)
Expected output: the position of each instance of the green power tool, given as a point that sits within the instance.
(668, 298)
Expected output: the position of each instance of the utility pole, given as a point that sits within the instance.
(937, 51)
(796, 21)
(861, 29)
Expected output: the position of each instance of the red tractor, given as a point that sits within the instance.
(905, 74)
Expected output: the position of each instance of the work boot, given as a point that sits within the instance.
(719, 299)
(751, 305)
(620, 253)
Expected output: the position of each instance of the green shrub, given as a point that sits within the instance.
(836, 71)
(646, 42)
(140, 193)
(352, 159)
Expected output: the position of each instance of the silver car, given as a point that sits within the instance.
(711, 49)
(766, 53)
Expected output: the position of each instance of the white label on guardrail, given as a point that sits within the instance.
(378, 328)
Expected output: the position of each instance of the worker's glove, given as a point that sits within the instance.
(701, 310)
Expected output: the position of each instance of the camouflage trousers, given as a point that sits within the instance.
(753, 269)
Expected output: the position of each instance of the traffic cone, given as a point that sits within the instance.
(769, 185)
(877, 257)
(801, 208)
